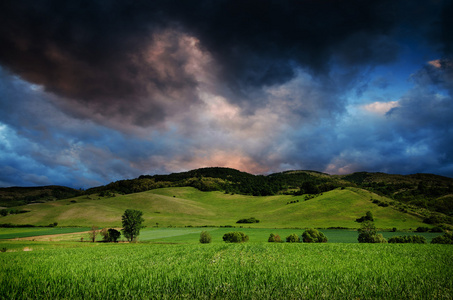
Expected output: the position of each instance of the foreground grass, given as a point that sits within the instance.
(227, 271)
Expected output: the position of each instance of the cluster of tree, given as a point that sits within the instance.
(367, 217)
(427, 229)
(368, 233)
(380, 203)
(428, 191)
(447, 238)
(4, 212)
(274, 238)
(249, 220)
(110, 235)
(230, 181)
(9, 225)
(413, 239)
(235, 237)
(17, 196)
(308, 236)
(132, 224)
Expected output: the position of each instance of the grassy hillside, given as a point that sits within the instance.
(15, 196)
(187, 206)
(425, 194)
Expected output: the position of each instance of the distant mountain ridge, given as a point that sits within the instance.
(428, 191)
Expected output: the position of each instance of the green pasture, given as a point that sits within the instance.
(256, 235)
(11, 233)
(226, 271)
(191, 235)
(186, 206)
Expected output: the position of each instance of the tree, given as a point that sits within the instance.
(110, 235)
(93, 233)
(105, 234)
(368, 234)
(292, 238)
(235, 237)
(114, 235)
(368, 217)
(274, 238)
(132, 223)
(205, 237)
(447, 238)
(313, 236)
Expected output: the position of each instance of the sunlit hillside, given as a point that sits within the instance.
(187, 206)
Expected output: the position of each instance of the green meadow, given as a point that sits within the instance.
(186, 206)
(226, 271)
(169, 262)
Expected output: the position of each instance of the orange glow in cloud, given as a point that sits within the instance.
(218, 158)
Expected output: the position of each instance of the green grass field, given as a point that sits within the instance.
(190, 207)
(188, 235)
(226, 271)
(11, 233)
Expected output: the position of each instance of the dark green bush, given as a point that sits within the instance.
(413, 239)
(368, 234)
(292, 238)
(313, 236)
(368, 217)
(447, 238)
(114, 235)
(436, 229)
(249, 220)
(422, 229)
(235, 237)
(274, 238)
(205, 237)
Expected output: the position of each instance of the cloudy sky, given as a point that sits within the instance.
(97, 91)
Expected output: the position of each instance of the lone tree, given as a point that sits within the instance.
(368, 234)
(93, 233)
(205, 237)
(132, 223)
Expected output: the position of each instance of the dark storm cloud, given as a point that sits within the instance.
(94, 52)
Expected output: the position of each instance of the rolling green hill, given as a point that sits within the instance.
(427, 196)
(15, 196)
(187, 206)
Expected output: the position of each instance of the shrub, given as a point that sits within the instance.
(205, 237)
(313, 236)
(422, 229)
(414, 239)
(3, 250)
(447, 238)
(235, 237)
(368, 217)
(378, 238)
(292, 238)
(114, 235)
(274, 238)
(436, 229)
(249, 220)
(368, 234)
